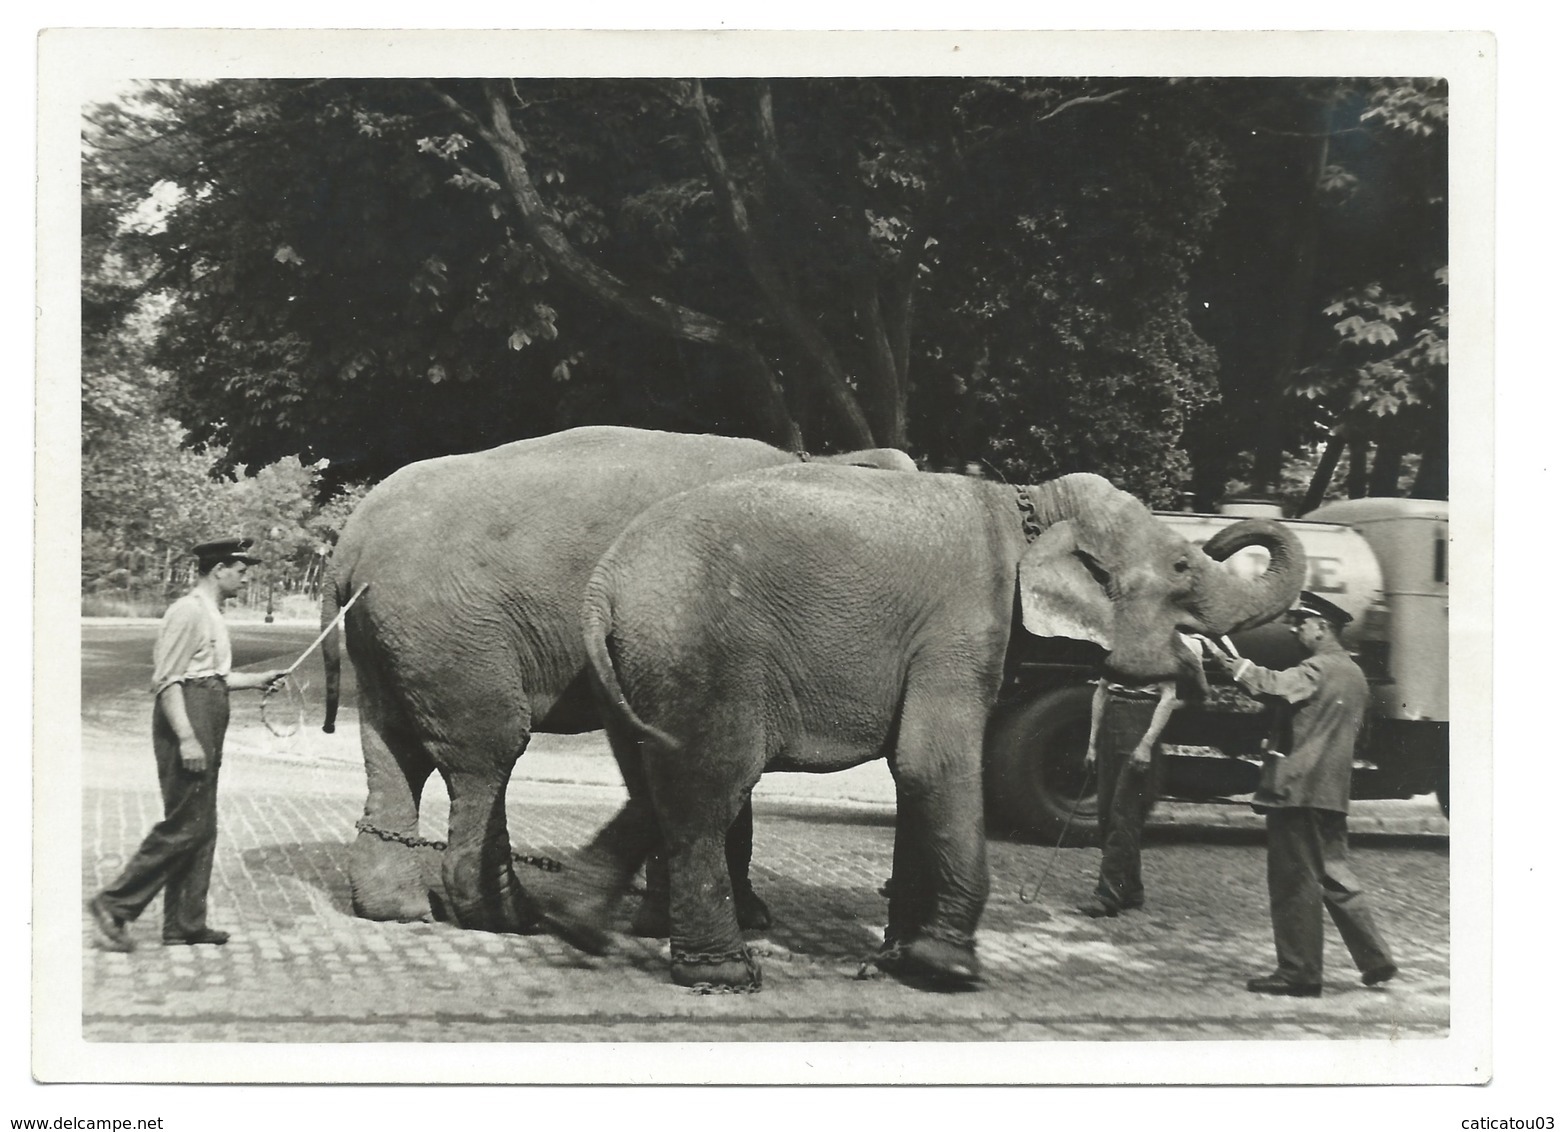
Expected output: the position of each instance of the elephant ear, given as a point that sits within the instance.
(1060, 594)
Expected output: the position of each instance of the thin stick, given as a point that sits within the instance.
(335, 621)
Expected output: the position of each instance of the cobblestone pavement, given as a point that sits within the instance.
(302, 968)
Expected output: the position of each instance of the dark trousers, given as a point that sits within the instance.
(176, 856)
(1307, 864)
(1125, 794)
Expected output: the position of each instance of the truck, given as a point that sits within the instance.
(1383, 560)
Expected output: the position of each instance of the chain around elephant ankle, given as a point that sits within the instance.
(717, 958)
(888, 954)
(414, 841)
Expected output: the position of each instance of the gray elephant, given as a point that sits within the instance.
(468, 639)
(805, 619)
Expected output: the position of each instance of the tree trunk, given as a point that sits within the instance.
(1434, 471)
(545, 230)
(888, 379)
(1297, 288)
(1434, 467)
(1358, 468)
(1330, 456)
(828, 372)
(1385, 476)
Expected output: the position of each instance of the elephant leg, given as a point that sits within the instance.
(697, 803)
(599, 874)
(912, 885)
(752, 911)
(652, 918)
(940, 787)
(477, 870)
(384, 871)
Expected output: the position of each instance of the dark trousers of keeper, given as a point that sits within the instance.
(176, 856)
(1307, 863)
(1125, 794)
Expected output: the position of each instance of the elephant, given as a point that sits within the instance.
(805, 619)
(467, 639)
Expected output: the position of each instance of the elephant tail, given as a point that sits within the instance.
(331, 655)
(597, 622)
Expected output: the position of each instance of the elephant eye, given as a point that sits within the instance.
(1181, 565)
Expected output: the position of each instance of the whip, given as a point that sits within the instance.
(288, 717)
(1048, 865)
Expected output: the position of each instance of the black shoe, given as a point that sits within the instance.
(112, 935)
(1377, 975)
(1097, 910)
(1277, 984)
(205, 935)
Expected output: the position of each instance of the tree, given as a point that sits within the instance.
(1324, 294)
(376, 271)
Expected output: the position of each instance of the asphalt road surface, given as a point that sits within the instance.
(302, 967)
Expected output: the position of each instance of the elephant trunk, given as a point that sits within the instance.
(1230, 603)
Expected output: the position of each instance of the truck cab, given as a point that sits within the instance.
(1383, 560)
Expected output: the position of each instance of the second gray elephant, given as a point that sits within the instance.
(468, 639)
(804, 619)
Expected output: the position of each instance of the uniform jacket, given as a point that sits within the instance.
(1321, 705)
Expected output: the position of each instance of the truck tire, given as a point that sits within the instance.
(1034, 780)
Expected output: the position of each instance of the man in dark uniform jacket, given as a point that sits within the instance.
(192, 673)
(1304, 795)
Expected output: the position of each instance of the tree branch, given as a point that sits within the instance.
(830, 376)
(1005, 136)
(545, 229)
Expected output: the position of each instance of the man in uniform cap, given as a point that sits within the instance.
(192, 673)
(1304, 795)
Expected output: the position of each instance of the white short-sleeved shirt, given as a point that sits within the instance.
(192, 643)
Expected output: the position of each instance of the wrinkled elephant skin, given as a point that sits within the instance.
(806, 619)
(468, 637)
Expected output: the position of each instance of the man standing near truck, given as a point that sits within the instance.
(1122, 741)
(1304, 794)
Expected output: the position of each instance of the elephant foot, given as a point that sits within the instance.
(387, 882)
(410, 910)
(933, 963)
(580, 924)
(513, 913)
(750, 909)
(716, 972)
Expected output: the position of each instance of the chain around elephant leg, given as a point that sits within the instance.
(942, 958)
(728, 972)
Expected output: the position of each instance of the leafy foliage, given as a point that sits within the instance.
(371, 272)
(1168, 282)
(1337, 213)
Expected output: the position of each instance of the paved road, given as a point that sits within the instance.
(302, 968)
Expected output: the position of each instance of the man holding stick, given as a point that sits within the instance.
(192, 676)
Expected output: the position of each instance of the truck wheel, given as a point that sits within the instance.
(1033, 777)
